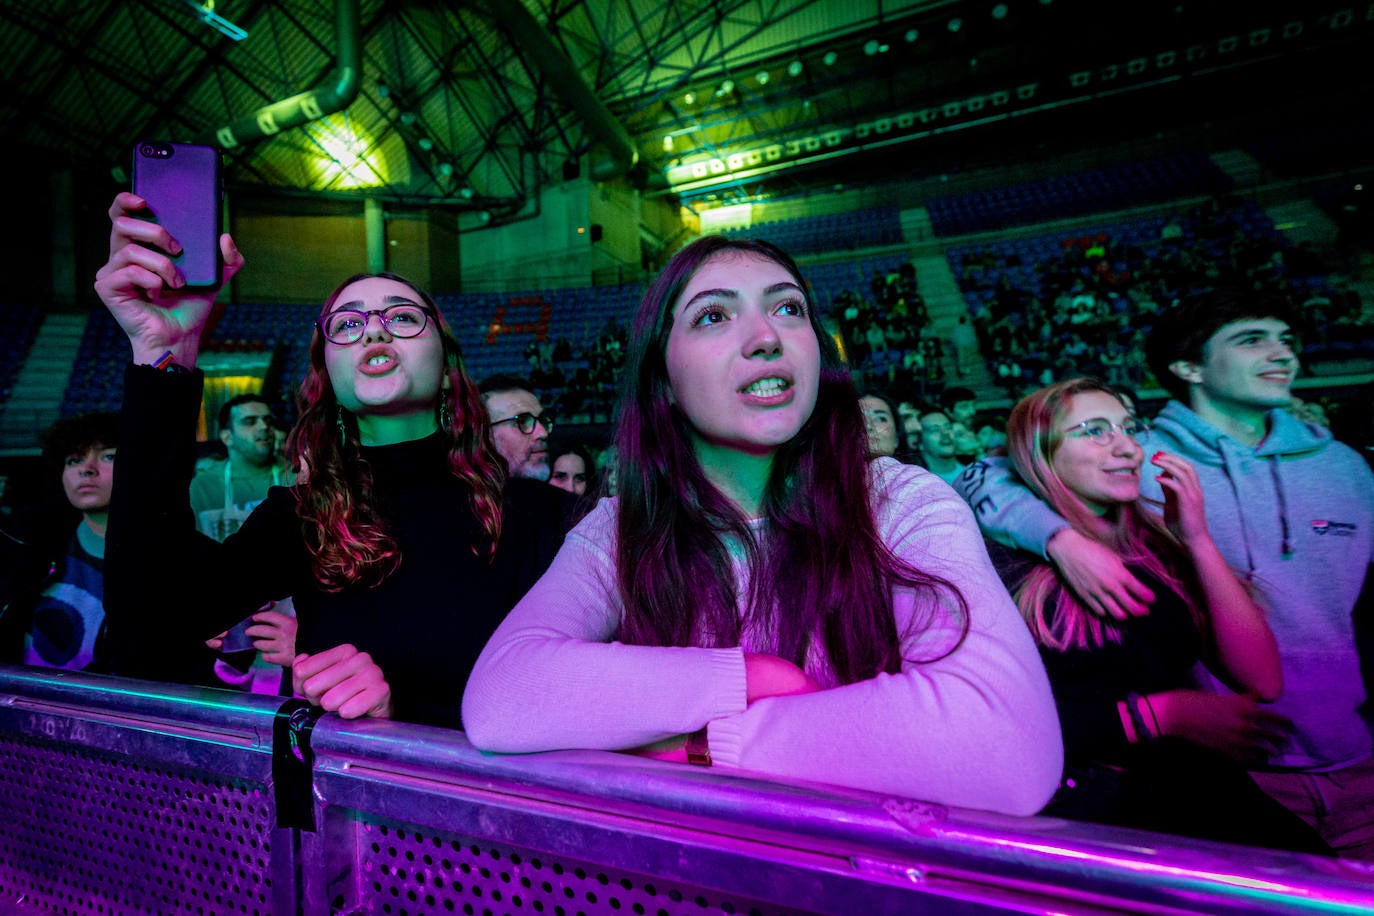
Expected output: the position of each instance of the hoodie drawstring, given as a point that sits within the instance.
(1283, 507)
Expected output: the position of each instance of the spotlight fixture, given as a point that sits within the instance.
(999, 11)
(726, 87)
(205, 12)
(794, 69)
(912, 35)
(425, 144)
(830, 58)
(690, 98)
(762, 78)
(956, 24)
(871, 47)
(668, 143)
(446, 169)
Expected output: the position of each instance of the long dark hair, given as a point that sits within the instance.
(348, 541)
(817, 566)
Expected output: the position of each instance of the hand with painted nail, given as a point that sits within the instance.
(1184, 508)
(146, 293)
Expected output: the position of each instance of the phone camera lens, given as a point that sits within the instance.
(146, 149)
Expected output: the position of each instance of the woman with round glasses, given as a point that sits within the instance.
(1143, 746)
(402, 542)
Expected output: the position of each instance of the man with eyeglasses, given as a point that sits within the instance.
(1291, 510)
(520, 427)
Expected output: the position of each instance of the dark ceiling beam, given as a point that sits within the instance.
(490, 133)
(71, 48)
(695, 36)
(620, 154)
(414, 95)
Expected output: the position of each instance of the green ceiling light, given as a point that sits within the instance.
(205, 12)
(830, 58)
(690, 98)
(668, 143)
(762, 78)
(795, 68)
(347, 160)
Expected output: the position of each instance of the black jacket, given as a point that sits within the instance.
(168, 588)
(33, 549)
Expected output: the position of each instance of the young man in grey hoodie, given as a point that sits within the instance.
(1291, 510)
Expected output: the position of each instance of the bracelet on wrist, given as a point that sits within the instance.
(166, 363)
(1144, 733)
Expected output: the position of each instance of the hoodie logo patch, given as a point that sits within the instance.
(1334, 529)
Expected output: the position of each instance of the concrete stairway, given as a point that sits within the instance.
(1241, 166)
(945, 305)
(36, 396)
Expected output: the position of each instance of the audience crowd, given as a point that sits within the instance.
(1148, 622)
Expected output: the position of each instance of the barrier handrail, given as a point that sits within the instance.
(378, 768)
(1041, 856)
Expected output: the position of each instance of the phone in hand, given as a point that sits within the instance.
(181, 183)
(237, 638)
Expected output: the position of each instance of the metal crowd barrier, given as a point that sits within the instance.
(121, 796)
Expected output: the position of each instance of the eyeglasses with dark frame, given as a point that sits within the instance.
(347, 326)
(1104, 432)
(525, 421)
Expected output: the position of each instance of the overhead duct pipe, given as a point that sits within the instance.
(335, 93)
(618, 153)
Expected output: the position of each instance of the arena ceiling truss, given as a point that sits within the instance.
(478, 105)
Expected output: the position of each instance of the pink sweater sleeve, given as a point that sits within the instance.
(550, 677)
(976, 728)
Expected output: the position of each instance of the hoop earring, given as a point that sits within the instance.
(445, 414)
(341, 427)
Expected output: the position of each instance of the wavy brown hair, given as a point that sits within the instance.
(818, 567)
(348, 541)
(1053, 612)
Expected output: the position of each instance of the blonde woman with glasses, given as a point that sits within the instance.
(1144, 746)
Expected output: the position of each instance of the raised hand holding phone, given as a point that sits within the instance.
(145, 292)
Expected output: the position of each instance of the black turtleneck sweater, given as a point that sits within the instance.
(424, 625)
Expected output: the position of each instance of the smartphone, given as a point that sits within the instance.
(237, 638)
(181, 183)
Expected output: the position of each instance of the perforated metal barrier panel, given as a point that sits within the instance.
(411, 871)
(86, 832)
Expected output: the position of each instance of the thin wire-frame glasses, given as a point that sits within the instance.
(1104, 432)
